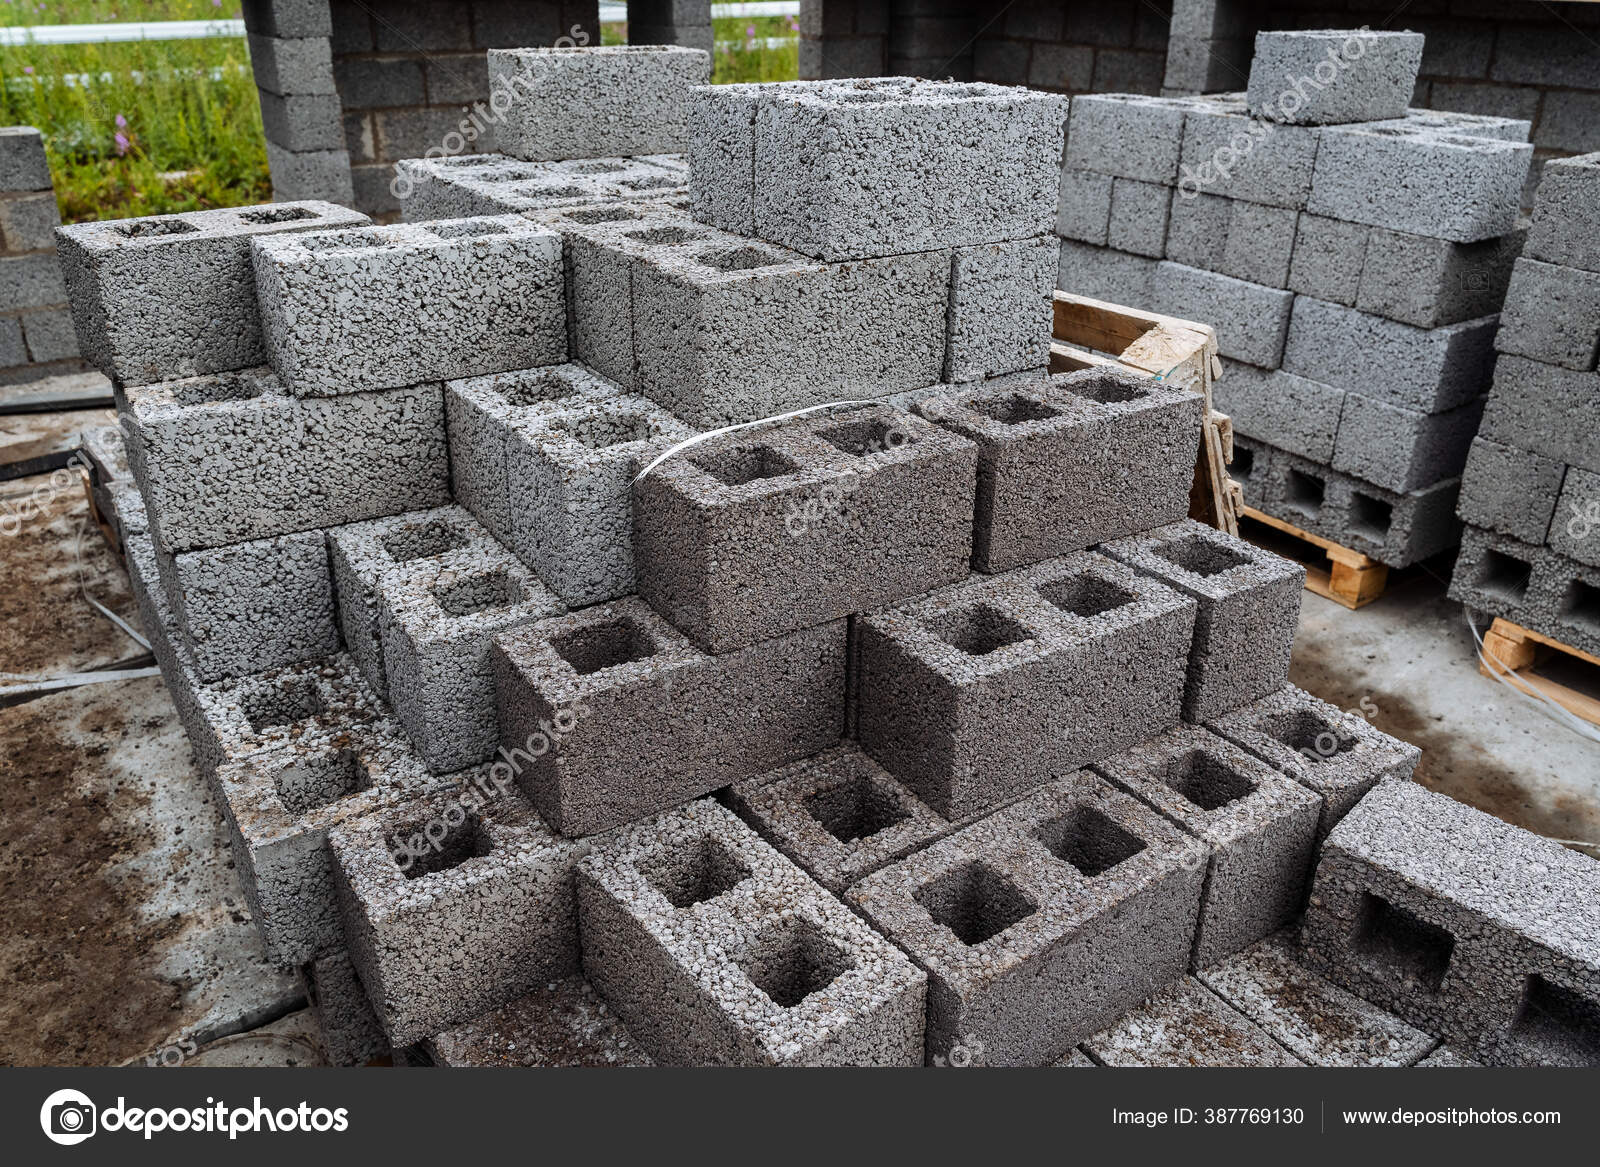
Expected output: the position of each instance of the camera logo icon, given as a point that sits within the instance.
(68, 1117)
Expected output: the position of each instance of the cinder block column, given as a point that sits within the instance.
(843, 38)
(291, 56)
(670, 22)
(36, 336)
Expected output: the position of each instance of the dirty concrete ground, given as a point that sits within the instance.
(123, 932)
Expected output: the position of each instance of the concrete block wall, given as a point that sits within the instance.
(843, 38)
(36, 335)
(671, 22)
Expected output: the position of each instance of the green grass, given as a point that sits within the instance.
(21, 13)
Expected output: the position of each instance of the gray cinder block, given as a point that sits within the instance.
(1260, 244)
(1544, 408)
(387, 306)
(454, 904)
(1126, 135)
(1197, 231)
(230, 457)
(643, 721)
(843, 169)
(1079, 657)
(1044, 921)
(1575, 530)
(1566, 214)
(1056, 456)
(173, 295)
(1139, 212)
(721, 151)
(1463, 925)
(840, 816)
(351, 1035)
(472, 185)
(1103, 274)
(1258, 826)
(1000, 312)
(1186, 1025)
(1335, 754)
(1444, 185)
(31, 281)
(1230, 155)
(571, 472)
(1551, 314)
(562, 1023)
(1473, 125)
(1400, 449)
(1249, 605)
(1251, 320)
(1330, 77)
(312, 174)
(1427, 370)
(1510, 491)
(1292, 413)
(596, 102)
(23, 165)
(1496, 575)
(1083, 205)
(292, 64)
(714, 949)
(29, 222)
(1328, 259)
(762, 533)
(1429, 282)
(436, 618)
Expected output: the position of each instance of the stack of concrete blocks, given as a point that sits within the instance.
(36, 336)
(1352, 254)
(1531, 493)
(671, 22)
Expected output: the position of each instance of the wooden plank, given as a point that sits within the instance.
(1510, 631)
(1351, 578)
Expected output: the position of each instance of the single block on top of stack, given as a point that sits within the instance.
(1352, 254)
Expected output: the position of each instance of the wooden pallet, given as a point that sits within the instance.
(107, 531)
(1351, 578)
(1518, 651)
(1089, 333)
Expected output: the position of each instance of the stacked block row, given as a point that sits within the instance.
(36, 336)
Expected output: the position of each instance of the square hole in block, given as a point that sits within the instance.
(739, 465)
(601, 431)
(1016, 409)
(1087, 839)
(468, 229)
(1402, 943)
(1207, 781)
(1504, 575)
(1304, 492)
(665, 235)
(442, 845)
(1310, 735)
(537, 191)
(653, 182)
(862, 438)
(1371, 517)
(1580, 606)
(792, 960)
(423, 540)
(285, 703)
(603, 646)
(700, 870)
(855, 809)
(340, 241)
(978, 630)
(1558, 1025)
(222, 387)
(480, 592)
(602, 215)
(264, 215)
(1200, 556)
(597, 168)
(1106, 390)
(514, 174)
(740, 259)
(154, 228)
(534, 390)
(1243, 464)
(320, 780)
(1086, 595)
(975, 902)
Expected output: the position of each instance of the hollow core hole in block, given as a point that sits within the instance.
(665, 235)
(1016, 409)
(321, 779)
(1558, 1024)
(601, 431)
(340, 241)
(1207, 781)
(1200, 556)
(653, 182)
(1304, 493)
(1310, 735)
(154, 228)
(696, 872)
(222, 387)
(597, 168)
(1402, 943)
(1580, 606)
(460, 842)
(603, 646)
(1085, 595)
(975, 902)
(792, 960)
(423, 540)
(740, 259)
(1106, 390)
(855, 809)
(863, 438)
(534, 390)
(1370, 516)
(285, 703)
(1243, 464)
(550, 192)
(860, 98)
(739, 465)
(1087, 839)
(1504, 575)
(978, 630)
(468, 229)
(481, 592)
(277, 215)
(514, 174)
(602, 215)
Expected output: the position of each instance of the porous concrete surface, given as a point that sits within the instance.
(1496, 575)
(1551, 314)
(1566, 221)
(1186, 1024)
(351, 1035)
(493, 184)
(1401, 449)
(1331, 76)
(1290, 412)
(1537, 406)
(1000, 309)
(715, 949)
(562, 1023)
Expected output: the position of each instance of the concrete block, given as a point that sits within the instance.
(1427, 370)
(1204, 65)
(50, 334)
(31, 281)
(313, 174)
(570, 472)
(28, 222)
(1078, 657)
(1231, 155)
(1056, 459)
(1251, 468)
(1000, 311)
(1445, 1058)
(1551, 314)
(563, 1023)
(386, 306)
(1126, 135)
(13, 349)
(1473, 125)
(716, 950)
(491, 184)
(1563, 601)
(1529, 585)
(173, 295)
(288, 18)
(1139, 213)
(1566, 214)
(753, 536)
(1448, 186)
(1258, 826)
(23, 165)
(1336, 755)
(1289, 412)
(1510, 491)
(454, 904)
(1083, 206)
(1044, 921)
(720, 141)
(1328, 259)
(1252, 320)
(351, 1035)
(302, 122)
(1400, 449)
(232, 457)
(1544, 408)
(1333, 77)
(1429, 282)
(645, 721)
(1249, 605)
(1307, 1014)
(1184, 1025)
(1575, 530)
(436, 618)
(1259, 245)
(1197, 231)
(843, 170)
(596, 102)
(1104, 274)
(1461, 924)
(379, 82)
(284, 65)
